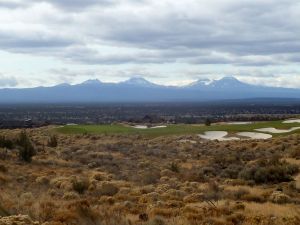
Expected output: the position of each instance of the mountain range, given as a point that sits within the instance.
(138, 89)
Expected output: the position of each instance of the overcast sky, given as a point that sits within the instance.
(166, 41)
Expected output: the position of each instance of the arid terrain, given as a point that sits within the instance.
(118, 179)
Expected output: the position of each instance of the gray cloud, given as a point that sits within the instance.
(32, 44)
(264, 28)
(78, 4)
(9, 4)
(235, 33)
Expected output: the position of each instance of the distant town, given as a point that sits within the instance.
(25, 116)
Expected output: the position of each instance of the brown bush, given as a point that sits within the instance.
(156, 221)
(253, 198)
(279, 197)
(80, 185)
(47, 210)
(108, 189)
(25, 146)
(236, 218)
(150, 177)
(269, 171)
(3, 168)
(52, 141)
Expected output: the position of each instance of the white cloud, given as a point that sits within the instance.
(156, 35)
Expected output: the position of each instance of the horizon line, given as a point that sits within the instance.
(204, 81)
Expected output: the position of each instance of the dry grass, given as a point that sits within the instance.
(119, 179)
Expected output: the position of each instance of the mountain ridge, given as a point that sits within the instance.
(138, 89)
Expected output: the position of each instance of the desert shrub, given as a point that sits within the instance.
(143, 217)
(150, 177)
(80, 185)
(3, 211)
(78, 212)
(98, 177)
(196, 174)
(269, 171)
(295, 153)
(70, 196)
(248, 156)
(232, 171)
(3, 168)
(253, 198)
(26, 149)
(108, 189)
(239, 206)
(174, 167)
(294, 186)
(213, 192)
(194, 197)
(3, 154)
(3, 179)
(165, 212)
(238, 194)
(226, 163)
(47, 210)
(279, 197)
(156, 221)
(43, 180)
(6, 143)
(207, 122)
(236, 218)
(209, 171)
(52, 142)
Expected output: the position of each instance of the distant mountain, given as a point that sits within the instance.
(94, 82)
(138, 89)
(198, 83)
(139, 82)
(224, 83)
(228, 82)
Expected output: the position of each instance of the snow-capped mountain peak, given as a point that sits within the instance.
(138, 81)
(227, 82)
(91, 82)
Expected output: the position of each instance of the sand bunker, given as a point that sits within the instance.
(277, 131)
(254, 135)
(146, 127)
(162, 126)
(292, 121)
(140, 127)
(239, 123)
(217, 135)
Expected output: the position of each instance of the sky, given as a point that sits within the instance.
(44, 43)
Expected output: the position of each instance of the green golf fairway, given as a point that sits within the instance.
(181, 129)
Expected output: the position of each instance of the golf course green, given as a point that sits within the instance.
(178, 129)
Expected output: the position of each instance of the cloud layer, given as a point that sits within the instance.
(242, 35)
